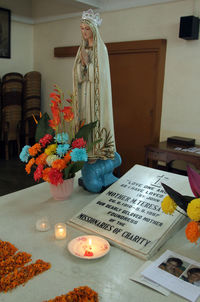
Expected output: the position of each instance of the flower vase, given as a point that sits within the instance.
(62, 191)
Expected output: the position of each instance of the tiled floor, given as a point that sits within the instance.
(13, 176)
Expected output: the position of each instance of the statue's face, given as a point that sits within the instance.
(86, 31)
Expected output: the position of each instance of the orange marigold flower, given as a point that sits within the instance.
(29, 165)
(68, 113)
(82, 293)
(22, 275)
(59, 164)
(41, 159)
(67, 157)
(192, 231)
(45, 174)
(34, 149)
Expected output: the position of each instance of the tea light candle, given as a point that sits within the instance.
(89, 248)
(60, 231)
(42, 224)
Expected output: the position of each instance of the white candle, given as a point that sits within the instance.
(90, 244)
(42, 224)
(60, 231)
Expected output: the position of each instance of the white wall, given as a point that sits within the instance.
(21, 50)
(181, 96)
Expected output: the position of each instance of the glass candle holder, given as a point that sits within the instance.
(42, 224)
(60, 230)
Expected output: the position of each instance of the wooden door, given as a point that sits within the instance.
(137, 75)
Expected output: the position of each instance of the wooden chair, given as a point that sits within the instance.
(12, 89)
(31, 103)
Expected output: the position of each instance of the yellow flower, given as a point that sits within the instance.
(168, 205)
(193, 209)
(51, 149)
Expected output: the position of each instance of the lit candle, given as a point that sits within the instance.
(42, 224)
(90, 244)
(60, 231)
(88, 251)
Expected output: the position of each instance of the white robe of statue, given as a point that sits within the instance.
(92, 94)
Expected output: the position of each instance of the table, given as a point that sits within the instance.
(166, 152)
(109, 275)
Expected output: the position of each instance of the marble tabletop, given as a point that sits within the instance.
(109, 275)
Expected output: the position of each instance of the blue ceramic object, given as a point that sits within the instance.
(99, 175)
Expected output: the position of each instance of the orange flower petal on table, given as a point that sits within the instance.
(45, 174)
(59, 164)
(41, 159)
(29, 165)
(68, 113)
(192, 231)
(34, 149)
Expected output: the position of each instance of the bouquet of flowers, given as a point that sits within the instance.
(60, 151)
(189, 205)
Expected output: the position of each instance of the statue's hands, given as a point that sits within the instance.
(84, 57)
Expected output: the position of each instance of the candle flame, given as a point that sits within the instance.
(90, 242)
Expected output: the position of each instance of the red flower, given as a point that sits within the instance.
(38, 172)
(45, 140)
(79, 143)
(55, 96)
(52, 124)
(68, 113)
(56, 115)
(55, 177)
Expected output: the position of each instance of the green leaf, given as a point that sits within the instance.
(67, 172)
(43, 127)
(90, 146)
(85, 130)
(70, 171)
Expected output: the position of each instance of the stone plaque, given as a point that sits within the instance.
(129, 212)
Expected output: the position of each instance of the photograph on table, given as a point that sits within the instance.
(192, 275)
(174, 266)
(185, 285)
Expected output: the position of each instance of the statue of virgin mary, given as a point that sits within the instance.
(92, 87)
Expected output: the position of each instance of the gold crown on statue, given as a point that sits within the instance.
(90, 15)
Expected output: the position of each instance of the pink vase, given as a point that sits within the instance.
(62, 191)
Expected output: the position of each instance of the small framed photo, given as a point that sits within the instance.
(5, 19)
